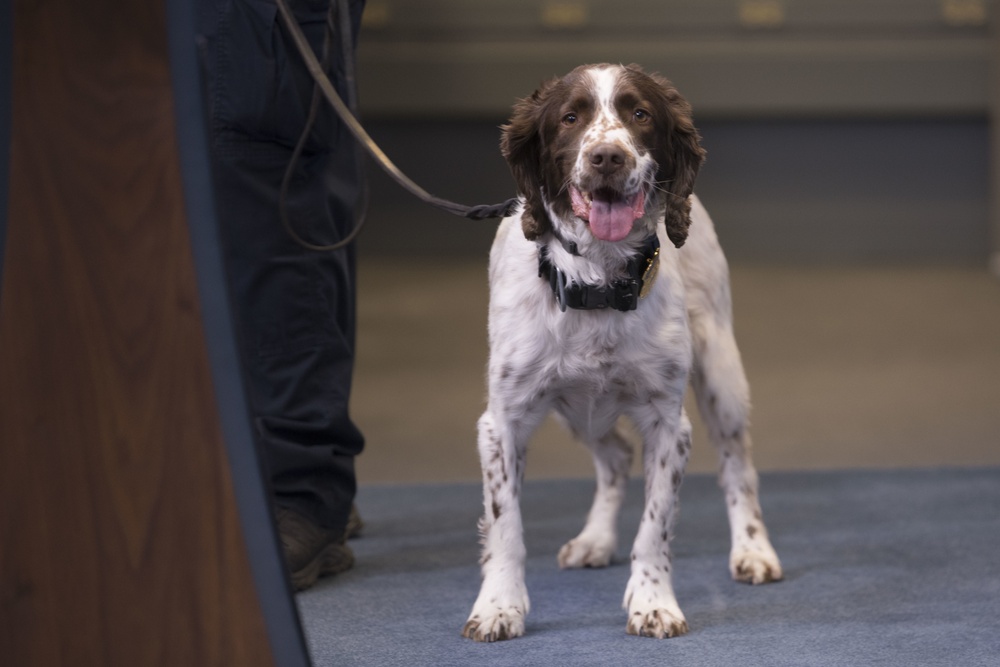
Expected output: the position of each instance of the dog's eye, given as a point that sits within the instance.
(569, 118)
(642, 116)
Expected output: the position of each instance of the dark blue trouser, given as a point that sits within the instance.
(295, 309)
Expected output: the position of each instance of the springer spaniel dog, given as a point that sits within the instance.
(597, 312)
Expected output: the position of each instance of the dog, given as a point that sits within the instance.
(609, 292)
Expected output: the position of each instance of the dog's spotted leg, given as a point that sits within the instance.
(724, 403)
(752, 558)
(596, 543)
(499, 611)
(649, 598)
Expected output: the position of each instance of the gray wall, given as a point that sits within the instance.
(838, 131)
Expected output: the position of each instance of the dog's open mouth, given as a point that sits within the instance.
(609, 213)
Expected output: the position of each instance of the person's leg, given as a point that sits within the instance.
(295, 308)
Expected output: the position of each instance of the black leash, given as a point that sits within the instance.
(324, 87)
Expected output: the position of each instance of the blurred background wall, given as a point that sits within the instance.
(837, 130)
(848, 174)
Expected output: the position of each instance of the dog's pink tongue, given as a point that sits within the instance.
(611, 219)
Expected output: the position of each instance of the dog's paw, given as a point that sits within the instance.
(586, 551)
(658, 623)
(495, 625)
(758, 564)
(498, 613)
(652, 608)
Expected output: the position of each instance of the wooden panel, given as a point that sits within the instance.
(119, 539)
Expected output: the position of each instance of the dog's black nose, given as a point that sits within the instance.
(607, 158)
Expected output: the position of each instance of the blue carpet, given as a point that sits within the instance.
(881, 568)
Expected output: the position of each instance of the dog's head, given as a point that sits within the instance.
(608, 145)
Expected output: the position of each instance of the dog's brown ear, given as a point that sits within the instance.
(521, 145)
(680, 156)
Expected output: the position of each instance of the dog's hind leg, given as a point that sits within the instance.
(723, 397)
(595, 545)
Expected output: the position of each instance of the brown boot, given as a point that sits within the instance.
(310, 551)
(354, 524)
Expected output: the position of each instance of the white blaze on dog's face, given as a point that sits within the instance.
(607, 145)
(614, 173)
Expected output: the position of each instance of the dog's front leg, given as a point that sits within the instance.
(649, 598)
(503, 603)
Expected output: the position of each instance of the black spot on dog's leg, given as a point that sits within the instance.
(684, 444)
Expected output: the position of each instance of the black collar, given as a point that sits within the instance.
(622, 294)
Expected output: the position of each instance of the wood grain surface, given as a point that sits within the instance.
(119, 537)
